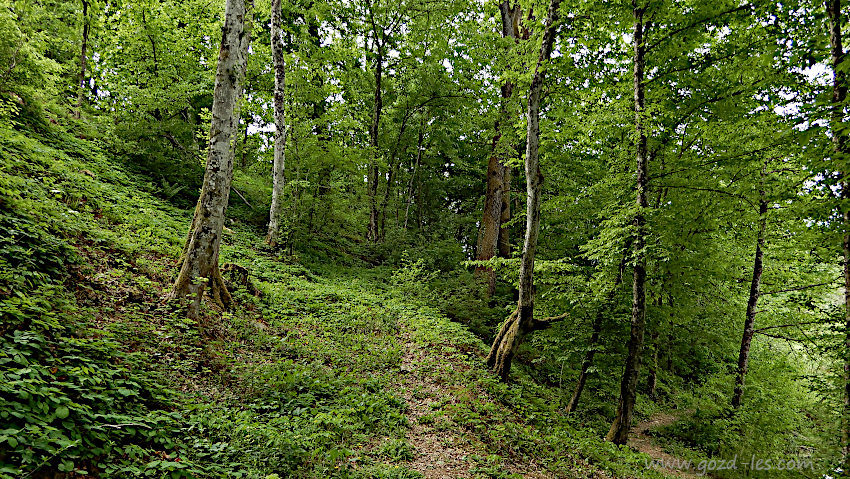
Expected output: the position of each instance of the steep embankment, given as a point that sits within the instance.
(340, 374)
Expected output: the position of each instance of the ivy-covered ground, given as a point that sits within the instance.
(318, 370)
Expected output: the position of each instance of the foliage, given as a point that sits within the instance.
(299, 377)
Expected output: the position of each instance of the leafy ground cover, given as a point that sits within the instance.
(316, 372)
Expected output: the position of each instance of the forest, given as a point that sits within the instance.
(410, 239)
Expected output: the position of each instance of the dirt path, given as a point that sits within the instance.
(438, 454)
(640, 440)
(441, 452)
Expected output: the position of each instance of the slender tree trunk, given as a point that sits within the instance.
(81, 77)
(199, 262)
(522, 321)
(391, 173)
(619, 432)
(244, 162)
(374, 172)
(752, 303)
(413, 174)
(587, 362)
(278, 169)
(839, 140)
(652, 377)
(596, 328)
(492, 236)
(382, 213)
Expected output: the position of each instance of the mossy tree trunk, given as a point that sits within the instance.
(522, 321)
(278, 171)
(619, 432)
(199, 262)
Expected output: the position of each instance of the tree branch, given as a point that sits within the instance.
(799, 288)
(694, 24)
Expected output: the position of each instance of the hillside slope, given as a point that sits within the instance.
(347, 373)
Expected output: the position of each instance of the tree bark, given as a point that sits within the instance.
(492, 235)
(522, 321)
(81, 77)
(839, 141)
(619, 432)
(504, 230)
(199, 262)
(278, 169)
(752, 303)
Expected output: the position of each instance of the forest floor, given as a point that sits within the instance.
(439, 453)
(317, 371)
(641, 440)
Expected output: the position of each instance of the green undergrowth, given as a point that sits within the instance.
(101, 377)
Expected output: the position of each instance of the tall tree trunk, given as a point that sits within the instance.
(752, 303)
(374, 173)
(199, 262)
(81, 77)
(839, 139)
(522, 321)
(619, 432)
(492, 236)
(278, 169)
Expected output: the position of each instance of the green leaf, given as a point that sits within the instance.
(62, 412)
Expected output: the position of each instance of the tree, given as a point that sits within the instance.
(493, 234)
(839, 141)
(278, 173)
(619, 432)
(752, 301)
(379, 41)
(199, 261)
(81, 79)
(522, 321)
(596, 330)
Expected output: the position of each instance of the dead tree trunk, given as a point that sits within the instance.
(492, 235)
(752, 303)
(81, 77)
(199, 262)
(619, 432)
(522, 321)
(839, 141)
(278, 171)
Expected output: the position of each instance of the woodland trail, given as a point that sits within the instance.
(441, 452)
(641, 441)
